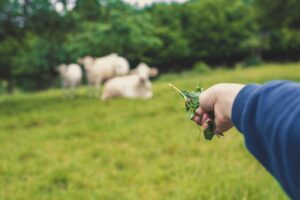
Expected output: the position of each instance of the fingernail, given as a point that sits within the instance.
(208, 120)
(205, 126)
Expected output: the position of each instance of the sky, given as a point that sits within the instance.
(141, 3)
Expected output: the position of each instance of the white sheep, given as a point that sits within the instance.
(71, 76)
(135, 85)
(101, 69)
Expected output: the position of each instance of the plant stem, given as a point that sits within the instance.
(175, 88)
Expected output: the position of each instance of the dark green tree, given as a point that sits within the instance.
(216, 30)
(88, 10)
(132, 39)
(279, 23)
(12, 23)
(275, 14)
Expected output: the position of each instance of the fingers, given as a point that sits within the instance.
(197, 119)
(205, 118)
(201, 116)
(205, 124)
(220, 128)
(206, 104)
(221, 124)
(202, 120)
(198, 116)
(199, 111)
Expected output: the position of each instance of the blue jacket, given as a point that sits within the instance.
(269, 117)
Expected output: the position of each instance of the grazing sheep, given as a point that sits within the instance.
(135, 85)
(71, 76)
(102, 69)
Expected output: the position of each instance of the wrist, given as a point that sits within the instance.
(227, 94)
(237, 88)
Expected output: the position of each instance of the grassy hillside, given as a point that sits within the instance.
(83, 148)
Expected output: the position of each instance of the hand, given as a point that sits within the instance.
(218, 100)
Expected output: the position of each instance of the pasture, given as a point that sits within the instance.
(83, 148)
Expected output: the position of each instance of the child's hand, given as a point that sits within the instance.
(219, 100)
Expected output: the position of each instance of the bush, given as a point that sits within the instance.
(201, 67)
(215, 30)
(252, 61)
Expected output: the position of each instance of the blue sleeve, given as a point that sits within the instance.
(269, 117)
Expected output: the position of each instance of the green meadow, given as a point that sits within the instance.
(53, 147)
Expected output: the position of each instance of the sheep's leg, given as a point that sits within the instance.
(104, 97)
(97, 87)
(106, 94)
(91, 89)
(64, 88)
(89, 85)
(148, 95)
(73, 90)
(69, 88)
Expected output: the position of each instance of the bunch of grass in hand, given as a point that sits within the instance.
(191, 104)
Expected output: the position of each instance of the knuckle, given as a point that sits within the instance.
(217, 130)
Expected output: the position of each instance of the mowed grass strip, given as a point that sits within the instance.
(83, 148)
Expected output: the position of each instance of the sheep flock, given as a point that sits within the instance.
(113, 73)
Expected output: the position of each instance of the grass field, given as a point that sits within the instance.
(83, 148)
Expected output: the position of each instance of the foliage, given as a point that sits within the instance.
(36, 61)
(252, 61)
(201, 67)
(174, 52)
(131, 39)
(284, 44)
(216, 34)
(166, 35)
(88, 10)
(8, 47)
(278, 14)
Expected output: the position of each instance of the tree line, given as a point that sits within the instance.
(35, 37)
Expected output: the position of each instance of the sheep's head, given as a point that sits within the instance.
(87, 61)
(61, 69)
(153, 72)
(145, 71)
